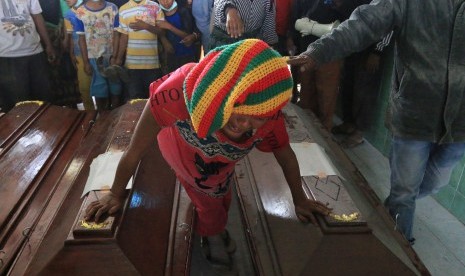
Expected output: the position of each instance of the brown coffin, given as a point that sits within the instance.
(151, 236)
(280, 244)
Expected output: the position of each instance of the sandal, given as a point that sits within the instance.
(229, 244)
(219, 264)
(344, 128)
(352, 140)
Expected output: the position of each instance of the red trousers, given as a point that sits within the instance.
(211, 212)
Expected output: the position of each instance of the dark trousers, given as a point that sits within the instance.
(140, 80)
(359, 90)
(23, 79)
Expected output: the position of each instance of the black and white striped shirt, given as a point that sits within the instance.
(256, 15)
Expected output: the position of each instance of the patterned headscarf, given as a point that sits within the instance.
(247, 77)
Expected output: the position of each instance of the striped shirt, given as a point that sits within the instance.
(142, 48)
(256, 15)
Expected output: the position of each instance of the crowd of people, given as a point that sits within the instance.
(115, 51)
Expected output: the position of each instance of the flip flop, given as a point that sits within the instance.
(352, 140)
(216, 263)
(344, 128)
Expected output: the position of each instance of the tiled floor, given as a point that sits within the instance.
(440, 237)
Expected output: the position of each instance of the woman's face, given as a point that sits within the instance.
(238, 125)
(166, 3)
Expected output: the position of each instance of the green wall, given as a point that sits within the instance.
(452, 197)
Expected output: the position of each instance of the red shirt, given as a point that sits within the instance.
(206, 164)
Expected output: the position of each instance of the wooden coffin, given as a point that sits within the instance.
(43, 233)
(358, 239)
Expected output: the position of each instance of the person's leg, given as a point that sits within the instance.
(135, 86)
(84, 85)
(408, 161)
(39, 74)
(308, 92)
(347, 84)
(210, 225)
(211, 213)
(116, 89)
(327, 87)
(148, 77)
(99, 87)
(14, 81)
(441, 162)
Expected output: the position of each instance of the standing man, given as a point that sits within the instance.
(427, 104)
(235, 20)
(24, 72)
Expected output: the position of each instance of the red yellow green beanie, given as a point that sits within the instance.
(247, 77)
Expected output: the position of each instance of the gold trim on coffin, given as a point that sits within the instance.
(93, 225)
(30, 102)
(344, 217)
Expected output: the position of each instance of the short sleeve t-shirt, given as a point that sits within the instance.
(206, 164)
(142, 48)
(98, 27)
(18, 34)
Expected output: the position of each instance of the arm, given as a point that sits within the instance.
(189, 27)
(167, 26)
(85, 57)
(304, 207)
(167, 47)
(70, 47)
(116, 44)
(142, 25)
(42, 30)
(123, 44)
(367, 24)
(145, 136)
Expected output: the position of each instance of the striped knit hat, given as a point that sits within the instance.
(247, 77)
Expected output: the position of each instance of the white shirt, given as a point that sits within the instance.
(18, 33)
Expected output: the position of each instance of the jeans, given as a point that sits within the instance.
(418, 169)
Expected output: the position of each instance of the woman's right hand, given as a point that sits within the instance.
(110, 203)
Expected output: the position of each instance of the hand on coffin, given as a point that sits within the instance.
(110, 204)
(304, 210)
